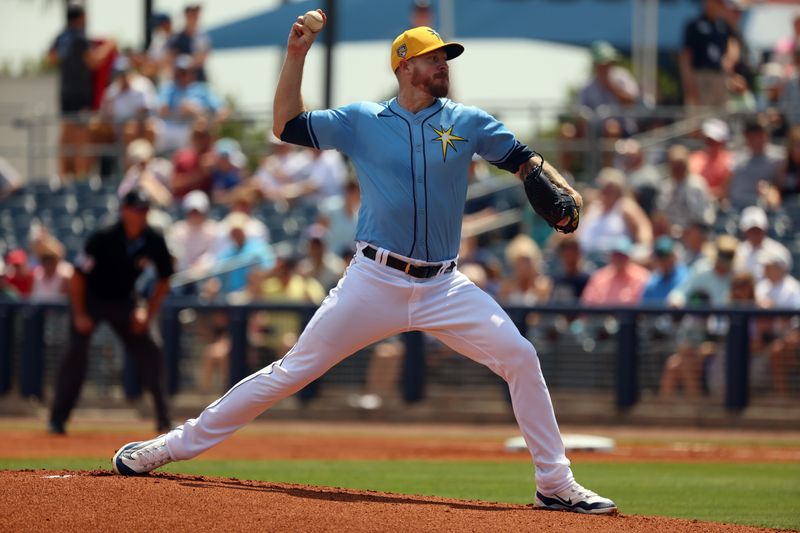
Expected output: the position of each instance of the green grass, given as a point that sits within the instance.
(760, 494)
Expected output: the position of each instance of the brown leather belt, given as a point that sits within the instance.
(412, 270)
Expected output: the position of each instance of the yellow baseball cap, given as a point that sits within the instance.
(418, 41)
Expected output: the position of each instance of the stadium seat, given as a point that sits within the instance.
(21, 201)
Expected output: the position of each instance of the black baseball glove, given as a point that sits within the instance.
(550, 202)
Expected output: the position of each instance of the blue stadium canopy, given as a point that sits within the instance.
(576, 22)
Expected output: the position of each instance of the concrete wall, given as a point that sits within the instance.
(29, 124)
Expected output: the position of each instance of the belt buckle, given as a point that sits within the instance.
(408, 268)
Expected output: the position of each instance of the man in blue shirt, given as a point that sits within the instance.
(668, 274)
(411, 155)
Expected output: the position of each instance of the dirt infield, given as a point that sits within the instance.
(81, 501)
(100, 501)
(336, 441)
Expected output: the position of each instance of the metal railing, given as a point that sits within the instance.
(532, 121)
(28, 321)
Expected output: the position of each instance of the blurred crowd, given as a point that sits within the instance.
(705, 219)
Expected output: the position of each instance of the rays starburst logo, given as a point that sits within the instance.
(447, 138)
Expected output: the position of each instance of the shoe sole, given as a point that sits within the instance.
(120, 467)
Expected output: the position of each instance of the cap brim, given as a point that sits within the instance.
(453, 50)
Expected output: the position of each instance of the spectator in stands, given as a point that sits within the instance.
(339, 215)
(788, 183)
(227, 170)
(567, 155)
(320, 263)
(754, 225)
(242, 204)
(642, 178)
(276, 332)
(708, 281)
(694, 239)
(128, 106)
(280, 169)
(785, 48)
(780, 290)
(243, 256)
(10, 179)
(18, 277)
(76, 59)
(715, 161)
(790, 94)
(526, 285)
(697, 343)
(707, 284)
(621, 282)
(669, 272)
(705, 61)
(194, 239)
(473, 252)
(755, 174)
(571, 276)
(152, 174)
(182, 101)
(192, 42)
(102, 289)
(742, 76)
(777, 288)
(192, 164)
(242, 260)
(612, 215)
(685, 196)
(157, 64)
(323, 177)
(770, 85)
(52, 275)
(610, 89)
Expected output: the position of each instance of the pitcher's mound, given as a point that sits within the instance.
(37, 500)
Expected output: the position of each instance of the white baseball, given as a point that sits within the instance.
(313, 21)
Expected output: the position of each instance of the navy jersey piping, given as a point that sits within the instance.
(497, 162)
(413, 189)
(425, 176)
(311, 132)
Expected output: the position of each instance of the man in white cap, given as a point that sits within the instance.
(754, 226)
(779, 290)
(153, 174)
(193, 239)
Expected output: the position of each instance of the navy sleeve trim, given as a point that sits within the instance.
(518, 154)
(298, 131)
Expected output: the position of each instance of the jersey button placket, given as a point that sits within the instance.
(419, 186)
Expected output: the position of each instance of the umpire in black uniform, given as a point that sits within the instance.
(102, 288)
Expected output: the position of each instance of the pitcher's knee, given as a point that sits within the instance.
(520, 358)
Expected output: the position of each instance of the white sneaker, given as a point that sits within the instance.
(577, 499)
(141, 457)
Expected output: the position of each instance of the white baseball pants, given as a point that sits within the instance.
(371, 302)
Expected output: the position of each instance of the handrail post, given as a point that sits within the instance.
(171, 339)
(414, 367)
(737, 356)
(6, 344)
(310, 391)
(238, 332)
(627, 374)
(32, 360)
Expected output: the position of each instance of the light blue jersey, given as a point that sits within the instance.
(412, 167)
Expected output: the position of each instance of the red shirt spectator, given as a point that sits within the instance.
(622, 282)
(714, 162)
(18, 273)
(192, 165)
